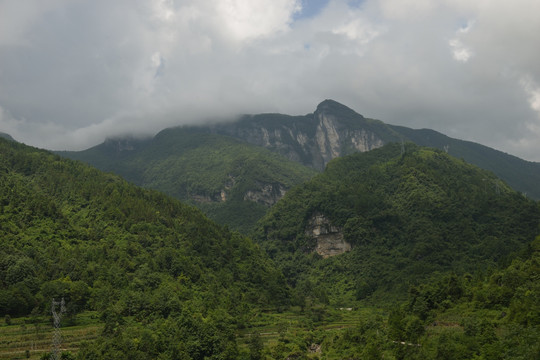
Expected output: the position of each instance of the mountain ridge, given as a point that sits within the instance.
(332, 130)
(6, 136)
(406, 210)
(337, 130)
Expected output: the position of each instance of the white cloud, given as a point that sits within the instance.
(460, 52)
(248, 19)
(406, 9)
(79, 71)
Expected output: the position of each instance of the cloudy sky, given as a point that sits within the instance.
(73, 72)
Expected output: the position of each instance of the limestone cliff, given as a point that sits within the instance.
(333, 130)
(329, 238)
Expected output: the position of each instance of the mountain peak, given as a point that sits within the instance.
(6, 136)
(333, 107)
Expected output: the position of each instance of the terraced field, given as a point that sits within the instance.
(29, 338)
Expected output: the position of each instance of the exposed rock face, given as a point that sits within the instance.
(329, 238)
(333, 130)
(333, 139)
(267, 194)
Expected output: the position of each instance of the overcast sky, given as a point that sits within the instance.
(73, 72)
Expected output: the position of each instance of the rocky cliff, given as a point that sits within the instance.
(333, 130)
(329, 238)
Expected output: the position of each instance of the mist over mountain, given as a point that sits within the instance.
(234, 171)
(6, 136)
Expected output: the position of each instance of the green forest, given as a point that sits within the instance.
(210, 171)
(68, 230)
(444, 264)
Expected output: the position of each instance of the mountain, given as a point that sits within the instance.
(232, 181)
(68, 230)
(6, 136)
(331, 131)
(491, 316)
(522, 175)
(374, 222)
(162, 281)
(334, 130)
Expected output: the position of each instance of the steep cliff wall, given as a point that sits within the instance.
(333, 130)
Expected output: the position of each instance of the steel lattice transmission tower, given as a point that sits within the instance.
(57, 336)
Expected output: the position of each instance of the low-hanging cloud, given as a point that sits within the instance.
(75, 72)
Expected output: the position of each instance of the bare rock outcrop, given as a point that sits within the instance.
(329, 238)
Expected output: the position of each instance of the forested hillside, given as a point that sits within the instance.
(441, 264)
(68, 230)
(233, 182)
(522, 175)
(493, 315)
(405, 213)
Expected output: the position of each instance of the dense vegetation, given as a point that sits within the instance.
(522, 175)
(409, 212)
(213, 172)
(443, 264)
(491, 316)
(68, 230)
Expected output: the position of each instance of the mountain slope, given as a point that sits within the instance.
(522, 175)
(395, 218)
(232, 181)
(335, 130)
(69, 230)
(6, 136)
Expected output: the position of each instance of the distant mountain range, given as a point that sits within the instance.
(234, 171)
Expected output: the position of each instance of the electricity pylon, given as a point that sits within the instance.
(57, 336)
